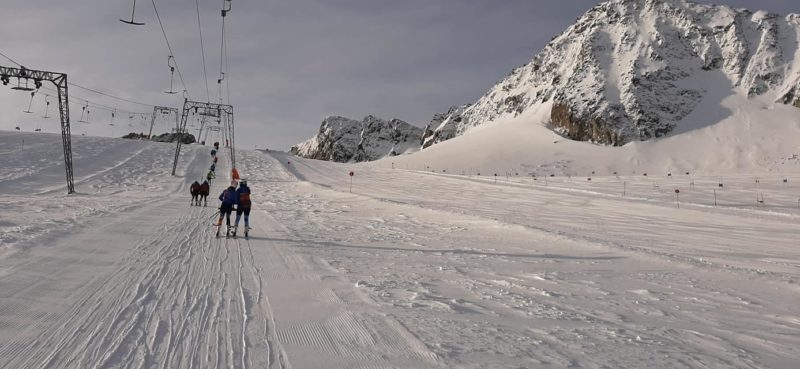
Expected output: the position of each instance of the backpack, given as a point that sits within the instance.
(244, 198)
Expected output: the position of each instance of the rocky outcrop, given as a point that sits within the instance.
(342, 139)
(632, 70)
(580, 129)
(443, 126)
(186, 138)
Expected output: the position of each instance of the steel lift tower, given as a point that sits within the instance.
(60, 80)
(225, 112)
(164, 111)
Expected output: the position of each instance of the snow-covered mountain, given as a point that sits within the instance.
(343, 140)
(632, 70)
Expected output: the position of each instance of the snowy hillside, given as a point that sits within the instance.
(342, 140)
(631, 70)
(471, 272)
(732, 135)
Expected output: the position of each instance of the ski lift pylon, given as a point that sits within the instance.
(133, 13)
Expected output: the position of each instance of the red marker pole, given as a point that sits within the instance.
(351, 181)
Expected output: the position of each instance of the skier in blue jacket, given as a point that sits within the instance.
(229, 199)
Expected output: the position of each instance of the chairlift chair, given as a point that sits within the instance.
(113, 113)
(133, 12)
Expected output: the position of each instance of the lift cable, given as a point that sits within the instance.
(202, 49)
(109, 95)
(87, 89)
(221, 60)
(223, 57)
(12, 60)
(169, 47)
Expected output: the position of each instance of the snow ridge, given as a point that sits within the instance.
(631, 70)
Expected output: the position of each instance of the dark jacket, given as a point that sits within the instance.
(204, 189)
(195, 188)
(244, 196)
(229, 197)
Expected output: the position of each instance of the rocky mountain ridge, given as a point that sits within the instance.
(631, 70)
(343, 139)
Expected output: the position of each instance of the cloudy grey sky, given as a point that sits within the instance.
(291, 62)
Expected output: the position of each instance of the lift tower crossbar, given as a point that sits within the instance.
(220, 110)
(60, 80)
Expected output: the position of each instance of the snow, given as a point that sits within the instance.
(728, 135)
(414, 268)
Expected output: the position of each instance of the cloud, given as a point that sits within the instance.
(291, 62)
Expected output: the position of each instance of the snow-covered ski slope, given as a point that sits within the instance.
(725, 134)
(413, 269)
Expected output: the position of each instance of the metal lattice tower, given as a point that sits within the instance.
(222, 111)
(60, 80)
(163, 110)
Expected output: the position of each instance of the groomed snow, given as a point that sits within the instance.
(412, 269)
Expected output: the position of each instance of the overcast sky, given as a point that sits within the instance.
(291, 62)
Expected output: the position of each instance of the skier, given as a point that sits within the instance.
(210, 175)
(216, 145)
(243, 207)
(194, 189)
(215, 159)
(204, 190)
(213, 167)
(229, 198)
(213, 152)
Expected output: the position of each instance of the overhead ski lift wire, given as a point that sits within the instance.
(227, 72)
(109, 95)
(224, 53)
(77, 100)
(221, 58)
(202, 48)
(12, 60)
(169, 47)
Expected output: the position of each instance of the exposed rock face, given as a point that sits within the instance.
(186, 138)
(634, 69)
(343, 140)
(443, 126)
